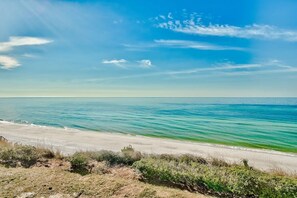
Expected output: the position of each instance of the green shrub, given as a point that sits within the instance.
(230, 181)
(127, 156)
(45, 153)
(7, 157)
(219, 162)
(25, 156)
(110, 157)
(80, 163)
(184, 158)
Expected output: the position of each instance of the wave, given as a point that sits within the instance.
(24, 123)
(239, 148)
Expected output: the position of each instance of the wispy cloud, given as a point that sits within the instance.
(122, 63)
(7, 62)
(226, 69)
(229, 69)
(140, 46)
(234, 69)
(193, 45)
(183, 44)
(193, 25)
(245, 73)
(117, 62)
(145, 63)
(22, 41)
(29, 56)
(222, 67)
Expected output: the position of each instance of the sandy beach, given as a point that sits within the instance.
(70, 140)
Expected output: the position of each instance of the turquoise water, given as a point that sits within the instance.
(254, 122)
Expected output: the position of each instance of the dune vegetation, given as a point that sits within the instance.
(28, 171)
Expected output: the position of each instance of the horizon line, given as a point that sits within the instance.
(148, 97)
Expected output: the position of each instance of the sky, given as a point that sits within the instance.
(156, 48)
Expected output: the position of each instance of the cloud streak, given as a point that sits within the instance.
(117, 62)
(182, 44)
(193, 45)
(226, 69)
(122, 63)
(253, 31)
(22, 41)
(7, 62)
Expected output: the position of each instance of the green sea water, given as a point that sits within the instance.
(269, 123)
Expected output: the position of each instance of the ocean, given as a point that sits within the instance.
(268, 123)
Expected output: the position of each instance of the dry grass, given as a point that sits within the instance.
(46, 182)
(50, 176)
(282, 173)
(4, 142)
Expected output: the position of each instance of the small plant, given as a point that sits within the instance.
(110, 157)
(188, 159)
(45, 153)
(25, 156)
(59, 155)
(80, 163)
(4, 142)
(129, 155)
(101, 168)
(184, 158)
(7, 157)
(219, 162)
(246, 164)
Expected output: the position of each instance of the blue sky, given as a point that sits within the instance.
(148, 48)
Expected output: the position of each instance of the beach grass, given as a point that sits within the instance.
(219, 180)
(151, 175)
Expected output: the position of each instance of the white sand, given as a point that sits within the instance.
(71, 140)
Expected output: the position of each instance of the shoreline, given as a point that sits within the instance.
(236, 145)
(70, 140)
(224, 144)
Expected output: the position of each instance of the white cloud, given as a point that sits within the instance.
(7, 62)
(29, 56)
(117, 62)
(253, 31)
(193, 45)
(22, 41)
(145, 63)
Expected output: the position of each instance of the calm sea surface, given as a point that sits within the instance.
(254, 122)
